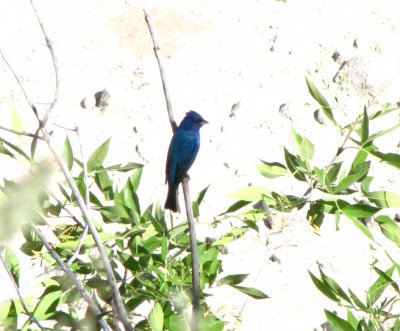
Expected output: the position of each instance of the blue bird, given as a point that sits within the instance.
(182, 152)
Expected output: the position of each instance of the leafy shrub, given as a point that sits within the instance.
(340, 189)
(150, 259)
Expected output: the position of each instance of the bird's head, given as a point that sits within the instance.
(193, 119)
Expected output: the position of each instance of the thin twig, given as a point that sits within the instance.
(21, 298)
(20, 133)
(186, 192)
(92, 305)
(21, 86)
(162, 72)
(49, 44)
(85, 181)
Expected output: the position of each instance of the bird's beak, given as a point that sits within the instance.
(203, 122)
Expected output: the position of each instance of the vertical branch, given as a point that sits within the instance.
(92, 305)
(162, 72)
(85, 182)
(49, 44)
(193, 249)
(121, 312)
(21, 298)
(186, 192)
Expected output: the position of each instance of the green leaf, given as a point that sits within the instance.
(365, 184)
(47, 304)
(177, 231)
(251, 291)
(67, 153)
(98, 156)
(5, 151)
(12, 264)
(323, 287)
(5, 308)
(390, 158)
(34, 144)
(356, 174)
(135, 177)
(285, 203)
(306, 150)
(206, 323)
(10, 322)
(129, 197)
(88, 241)
(326, 108)
(233, 279)
(122, 167)
(320, 175)
(295, 166)
(15, 148)
(105, 184)
(359, 210)
(315, 215)
(232, 235)
(207, 254)
(201, 195)
(384, 199)
(364, 127)
(352, 319)
(360, 158)
(382, 132)
(361, 227)
(272, 169)
(135, 302)
(389, 228)
(357, 301)
(377, 288)
(337, 323)
(305, 147)
(197, 202)
(156, 317)
(334, 286)
(333, 172)
(236, 206)
(251, 193)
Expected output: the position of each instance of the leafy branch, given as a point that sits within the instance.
(120, 311)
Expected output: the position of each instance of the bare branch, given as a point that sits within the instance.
(49, 44)
(21, 133)
(162, 72)
(85, 181)
(194, 252)
(21, 298)
(186, 193)
(92, 305)
(32, 106)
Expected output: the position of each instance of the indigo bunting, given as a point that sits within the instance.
(182, 152)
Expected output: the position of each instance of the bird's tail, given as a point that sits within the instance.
(172, 202)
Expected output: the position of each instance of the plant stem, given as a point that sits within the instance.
(185, 186)
(74, 279)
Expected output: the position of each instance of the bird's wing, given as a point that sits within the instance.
(188, 152)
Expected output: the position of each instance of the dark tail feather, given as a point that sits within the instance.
(171, 202)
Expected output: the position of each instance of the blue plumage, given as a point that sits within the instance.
(182, 152)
